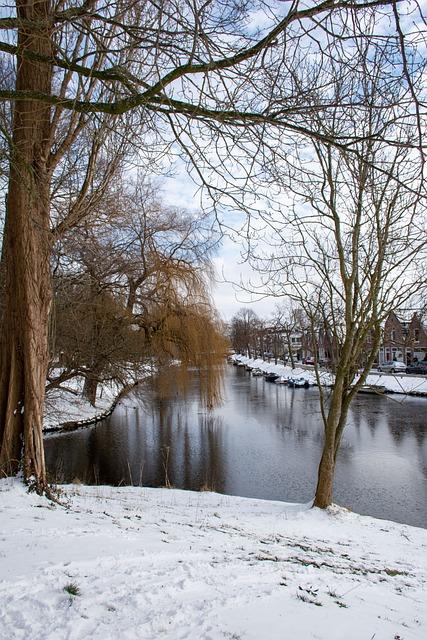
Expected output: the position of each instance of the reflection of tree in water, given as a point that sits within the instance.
(159, 453)
(355, 416)
(112, 449)
(70, 457)
(415, 423)
(66, 457)
(297, 415)
(420, 433)
(407, 422)
(213, 463)
(209, 448)
(191, 448)
(184, 447)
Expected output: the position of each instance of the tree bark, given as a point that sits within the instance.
(26, 261)
(326, 471)
(90, 388)
(131, 298)
(291, 355)
(325, 480)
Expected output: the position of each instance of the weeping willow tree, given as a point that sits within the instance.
(192, 336)
(167, 268)
(181, 326)
(132, 285)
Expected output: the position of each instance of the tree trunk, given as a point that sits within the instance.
(325, 477)
(26, 261)
(90, 387)
(291, 355)
(131, 299)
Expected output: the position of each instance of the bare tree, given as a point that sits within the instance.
(350, 248)
(245, 330)
(39, 139)
(289, 320)
(158, 246)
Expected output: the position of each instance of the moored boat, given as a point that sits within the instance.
(298, 382)
(372, 388)
(271, 377)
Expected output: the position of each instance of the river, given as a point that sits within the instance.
(265, 441)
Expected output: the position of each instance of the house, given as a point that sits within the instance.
(404, 339)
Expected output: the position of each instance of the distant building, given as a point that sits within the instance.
(404, 339)
(294, 342)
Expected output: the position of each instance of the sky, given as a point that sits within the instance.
(230, 267)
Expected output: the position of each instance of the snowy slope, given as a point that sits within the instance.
(67, 404)
(62, 406)
(161, 563)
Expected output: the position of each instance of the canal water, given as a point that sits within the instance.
(265, 441)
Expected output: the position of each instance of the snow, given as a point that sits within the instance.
(67, 404)
(64, 406)
(163, 563)
(399, 383)
(395, 383)
(284, 370)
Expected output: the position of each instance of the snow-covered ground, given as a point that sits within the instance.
(395, 383)
(64, 406)
(67, 404)
(145, 564)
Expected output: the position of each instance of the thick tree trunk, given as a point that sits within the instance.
(26, 262)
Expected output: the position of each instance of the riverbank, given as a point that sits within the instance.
(144, 564)
(69, 408)
(66, 408)
(403, 384)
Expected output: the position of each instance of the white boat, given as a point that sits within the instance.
(298, 382)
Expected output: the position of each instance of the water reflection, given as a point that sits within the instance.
(265, 441)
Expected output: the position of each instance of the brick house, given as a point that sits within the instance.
(403, 339)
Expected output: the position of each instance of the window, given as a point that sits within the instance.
(416, 335)
(393, 335)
